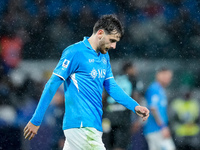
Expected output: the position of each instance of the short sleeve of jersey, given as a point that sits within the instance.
(152, 98)
(67, 64)
(109, 73)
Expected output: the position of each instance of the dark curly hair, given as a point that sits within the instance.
(109, 23)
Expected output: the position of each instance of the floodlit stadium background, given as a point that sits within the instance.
(157, 33)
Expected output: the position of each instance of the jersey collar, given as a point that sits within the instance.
(159, 85)
(87, 44)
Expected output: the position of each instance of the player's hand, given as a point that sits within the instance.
(30, 130)
(166, 132)
(143, 112)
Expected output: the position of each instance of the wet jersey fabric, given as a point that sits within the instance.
(156, 98)
(84, 73)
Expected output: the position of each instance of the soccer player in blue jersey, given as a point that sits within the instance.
(156, 128)
(85, 69)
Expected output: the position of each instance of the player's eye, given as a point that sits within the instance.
(112, 41)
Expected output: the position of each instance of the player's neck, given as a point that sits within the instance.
(93, 42)
(161, 83)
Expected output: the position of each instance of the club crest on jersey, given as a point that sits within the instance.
(104, 60)
(100, 72)
(93, 73)
(65, 63)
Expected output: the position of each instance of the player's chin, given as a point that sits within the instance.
(104, 51)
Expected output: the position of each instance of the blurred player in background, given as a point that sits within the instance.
(84, 68)
(156, 128)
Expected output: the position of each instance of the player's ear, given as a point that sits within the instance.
(100, 33)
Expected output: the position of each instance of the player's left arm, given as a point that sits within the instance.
(121, 97)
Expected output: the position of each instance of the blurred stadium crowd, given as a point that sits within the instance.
(153, 28)
(41, 29)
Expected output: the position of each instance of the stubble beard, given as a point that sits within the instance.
(102, 50)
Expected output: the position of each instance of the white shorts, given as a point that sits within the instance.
(156, 141)
(83, 139)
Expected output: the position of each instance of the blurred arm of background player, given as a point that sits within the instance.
(165, 129)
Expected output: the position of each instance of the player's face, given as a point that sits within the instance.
(165, 77)
(108, 41)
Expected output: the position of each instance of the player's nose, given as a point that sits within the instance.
(113, 45)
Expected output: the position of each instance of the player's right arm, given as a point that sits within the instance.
(156, 116)
(66, 66)
(153, 99)
(164, 129)
(47, 95)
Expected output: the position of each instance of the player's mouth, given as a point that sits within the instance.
(106, 49)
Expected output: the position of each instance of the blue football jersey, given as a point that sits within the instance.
(83, 72)
(156, 98)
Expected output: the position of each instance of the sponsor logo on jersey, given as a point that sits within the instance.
(91, 60)
(101, 73)
(65, 63)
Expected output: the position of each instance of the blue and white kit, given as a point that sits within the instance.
(156, 98)
(84, 73)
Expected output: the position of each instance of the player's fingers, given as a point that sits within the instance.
(146, 113)
(25, 128)
(26, 131)
(146, 110)
(32, 136)
(146, 117)
(28, 134)
(141, 111)
(141, 115)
